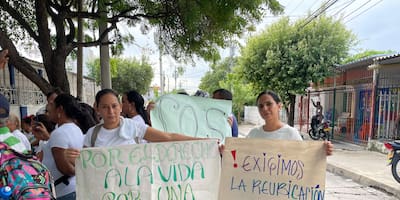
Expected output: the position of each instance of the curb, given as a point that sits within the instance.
(363, 180)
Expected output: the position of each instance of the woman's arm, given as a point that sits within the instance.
(154, 135)
(64, 165)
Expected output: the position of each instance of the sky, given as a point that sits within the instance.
(374, 22)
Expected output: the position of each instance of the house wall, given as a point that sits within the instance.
(26, 96)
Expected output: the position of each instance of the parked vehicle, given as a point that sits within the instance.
(394, 158)
(322, 130)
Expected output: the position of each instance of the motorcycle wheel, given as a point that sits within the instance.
(313, 136)
(396, 168)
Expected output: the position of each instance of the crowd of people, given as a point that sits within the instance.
(57, 133)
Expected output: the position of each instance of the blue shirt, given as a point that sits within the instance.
(235, 129)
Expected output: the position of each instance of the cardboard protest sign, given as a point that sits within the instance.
(272, 169)
(170, 170)
(193, 116)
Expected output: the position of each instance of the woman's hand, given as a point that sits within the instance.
(41, 131)
(329, 148)
(230, 121)
(221, 148)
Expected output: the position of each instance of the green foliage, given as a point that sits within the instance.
(366, 54)
(186, 27)
(199, 27)
(219, 71)
(222, 76)
(287, 57)
(126, 74)
(242, 93)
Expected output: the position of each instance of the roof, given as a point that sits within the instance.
(359, 63)
(382, 59)
(388, 59)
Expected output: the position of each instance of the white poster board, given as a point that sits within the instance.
(272, 169)
(193, 116)
(170, 170)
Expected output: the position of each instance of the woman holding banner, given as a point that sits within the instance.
(116, 130)
(269, 104)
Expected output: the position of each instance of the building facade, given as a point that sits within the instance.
(26, 98)
(361, 100)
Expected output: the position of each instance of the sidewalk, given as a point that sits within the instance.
(368, 168)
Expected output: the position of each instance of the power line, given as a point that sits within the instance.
(318, 12)
(345, 5)
(357, 9)
(364, 11)
(296, 7)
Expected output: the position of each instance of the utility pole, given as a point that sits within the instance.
(175, 76)
(161, 70)
(104, 50)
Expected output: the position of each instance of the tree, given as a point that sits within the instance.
(223, 75)
(242, 92)
(187, 27)
(287, 57)
(126, 74)
(219, 71)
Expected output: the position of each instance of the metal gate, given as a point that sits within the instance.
(387, 114)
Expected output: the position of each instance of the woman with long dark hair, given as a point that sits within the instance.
(269, 104)
(133, 107)
(64, 112)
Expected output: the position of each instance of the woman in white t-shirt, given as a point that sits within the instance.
(116, 130)
(63, 111)
(133, 107)
(269, 104)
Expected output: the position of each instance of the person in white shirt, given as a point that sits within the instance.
(133, 107)
(269, 104)
(13, 124)
(6, 136)
(63, 111)
(116, 130)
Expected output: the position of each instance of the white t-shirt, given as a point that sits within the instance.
(68, 135)
(127, 133)
(17, 133)
(41, 145)
(285, 133)
(139, 119)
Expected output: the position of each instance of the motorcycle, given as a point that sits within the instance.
(394, 158)
(322, 130)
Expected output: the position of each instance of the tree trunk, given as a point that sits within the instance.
(79, 60)
(56, 72)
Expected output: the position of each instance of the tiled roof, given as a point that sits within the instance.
(388, 59)
(375, 59)
(359, 63)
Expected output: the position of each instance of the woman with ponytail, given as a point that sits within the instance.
(64, 112)
(133, 107)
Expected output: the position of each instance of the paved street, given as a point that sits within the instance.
(339, 188)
